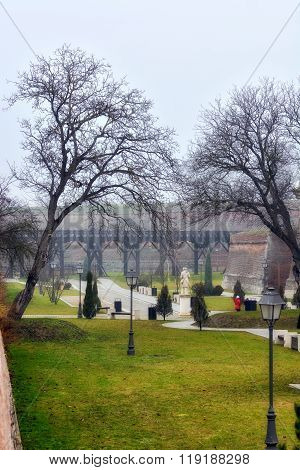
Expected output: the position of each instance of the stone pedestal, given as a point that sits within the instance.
(184, 305)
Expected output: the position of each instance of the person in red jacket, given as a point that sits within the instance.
(237, 303)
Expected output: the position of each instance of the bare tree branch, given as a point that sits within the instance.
(91, 140)
(246, 159)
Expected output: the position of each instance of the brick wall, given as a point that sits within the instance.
(279, 262)
(247, 254)
(9, 430)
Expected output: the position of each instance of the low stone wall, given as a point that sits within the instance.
(9, 430)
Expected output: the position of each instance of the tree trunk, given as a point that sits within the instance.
(296, 267)
(22, 300)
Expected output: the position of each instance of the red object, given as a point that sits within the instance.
(237, 304)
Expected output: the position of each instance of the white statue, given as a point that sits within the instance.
(185, 282)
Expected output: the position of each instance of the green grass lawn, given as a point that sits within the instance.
(40, 304)
(219, 303)
(182, 390)
(120, 279)
(72, 292)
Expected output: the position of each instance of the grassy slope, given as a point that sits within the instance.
(183, 389)
(288, 320)
(40, 304)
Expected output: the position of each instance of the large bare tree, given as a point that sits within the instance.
(246, 159)
(91, 140)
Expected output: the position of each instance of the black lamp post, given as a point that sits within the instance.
(131, 279)
(79, 271)
(265, 279)
(201, 266)
(271, 304)
(53, 266)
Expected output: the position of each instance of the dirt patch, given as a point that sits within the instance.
(40, 330)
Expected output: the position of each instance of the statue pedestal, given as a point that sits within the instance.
(184, 305)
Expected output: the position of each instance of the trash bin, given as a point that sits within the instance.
(151, 313)
(118, 305)
(154, 291)
(250, 305)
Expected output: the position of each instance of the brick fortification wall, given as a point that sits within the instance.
(279, 262)
(9, 430)
(248, 253)
(291, 285)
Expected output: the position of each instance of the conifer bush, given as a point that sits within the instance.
(199, 308)
(89, 310)
(164, 303)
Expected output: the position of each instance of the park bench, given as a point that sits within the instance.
(104, 308)
(113, 315)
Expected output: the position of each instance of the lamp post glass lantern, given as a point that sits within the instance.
(271, 304)
(79, 272)
(53, 266)
(132, 280)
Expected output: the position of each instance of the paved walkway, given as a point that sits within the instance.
(188, 325)
(109, 291)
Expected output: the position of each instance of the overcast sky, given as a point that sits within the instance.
(183, 54)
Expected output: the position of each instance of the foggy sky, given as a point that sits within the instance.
(183, 54)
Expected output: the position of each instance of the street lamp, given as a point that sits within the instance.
(79, 271)
(131, 279)
(265, 279)
(270, 305)
(201, 266)
(53, 266)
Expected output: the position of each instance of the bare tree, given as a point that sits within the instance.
(18, 228)
(55, 288)
(92, 140)
(246, 158)
(43, 281)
